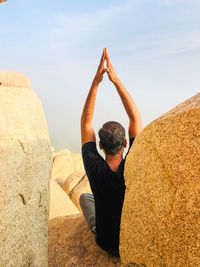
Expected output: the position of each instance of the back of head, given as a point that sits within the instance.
(112, 136)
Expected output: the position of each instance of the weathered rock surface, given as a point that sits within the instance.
(25, 169)
(72, 180)
(56, 153)
(161, 213)
(59, 181)
(82, 187)
(66, 163)
(72, 244)
(76, 184)
(60, 203)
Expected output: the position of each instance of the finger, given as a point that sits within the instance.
(104, 70)
(107, 57)
(101, 66)
(103, 57)
(108, 70)
(101, 69)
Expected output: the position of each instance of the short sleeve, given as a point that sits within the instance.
(91, 157)
(131, 140)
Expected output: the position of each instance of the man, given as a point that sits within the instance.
(102, 210)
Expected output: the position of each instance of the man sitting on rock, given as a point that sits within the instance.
(102, 210)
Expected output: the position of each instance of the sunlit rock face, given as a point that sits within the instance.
(71, 243)
(75, 185)
(161, 213)
(60, 203)
(25, 169)
(66, 163)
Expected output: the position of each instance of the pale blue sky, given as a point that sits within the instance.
(154, 46)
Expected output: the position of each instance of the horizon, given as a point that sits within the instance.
(153, 45)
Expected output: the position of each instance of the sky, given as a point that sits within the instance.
(154, 46)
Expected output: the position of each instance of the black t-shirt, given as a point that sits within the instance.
(108, 188)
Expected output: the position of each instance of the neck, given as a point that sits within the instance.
(114, 160)
(113, 157)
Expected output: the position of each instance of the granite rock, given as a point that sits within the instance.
(76, 184)
(82, 187)
(161, 212)
(66, 163)
(25, 169)
(72, 244)
(59, 181)
(56, 153)
(60, 203)
(72, 180)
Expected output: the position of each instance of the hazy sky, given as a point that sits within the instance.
(154, 46)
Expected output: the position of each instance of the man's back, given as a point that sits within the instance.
(108, 189)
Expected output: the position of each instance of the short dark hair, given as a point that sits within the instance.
(112, 136)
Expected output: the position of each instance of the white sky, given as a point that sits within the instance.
(154, 46)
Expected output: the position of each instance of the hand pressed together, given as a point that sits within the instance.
(109, 69)
(101, 69)
(135, 122)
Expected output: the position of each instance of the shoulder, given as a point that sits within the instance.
(90, 154)
(89, 149)
(94, 164)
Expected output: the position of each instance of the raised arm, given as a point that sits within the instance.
(135, 121)
(87, 131)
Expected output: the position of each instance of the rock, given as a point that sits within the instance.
(76, 184)
(161, 212)
(72, 180)
(82, 187)
(88, 188)
(66, 163)
(60, 203)
(25, 168)
(59, 181)
(72, 244)
(60, 152)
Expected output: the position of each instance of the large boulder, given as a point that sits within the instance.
(72, 181)
(65, 163)
(82, 187)
(60, 203)
(71, 243)
(25, 169)
(75, 185)
(161, 212)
